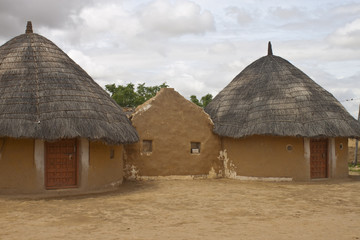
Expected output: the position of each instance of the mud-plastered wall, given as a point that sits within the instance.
(341, 152)
(17, 168)
(267, 157)
(105, 165)
(176, 138)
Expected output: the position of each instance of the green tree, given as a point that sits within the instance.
(145, 93)
(194, 99)
(127, 96)
(204, 101)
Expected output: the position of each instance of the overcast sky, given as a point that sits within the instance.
(198, 46)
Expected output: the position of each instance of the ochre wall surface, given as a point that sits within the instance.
(17, 167)
(104, 171)
(267, 156)
(172, 123)
(342, 170)
(19, 173)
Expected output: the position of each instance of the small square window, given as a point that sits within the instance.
(195, 148)
(147, 146)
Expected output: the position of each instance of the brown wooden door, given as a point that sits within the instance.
(318, 158)
(61, 167)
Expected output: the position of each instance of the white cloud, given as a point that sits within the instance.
(349, 98)
(175, 18)
(43, 13)
(242, 16)
(145, 27)
(347, 36)
(287, 13)
(110, 19)
(347, 9)
(196, 46)
(105, 25)
(93, 68)
(222, 48)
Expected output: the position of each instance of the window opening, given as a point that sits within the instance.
(147, 146)
(195, 148)
(341, 146)
(289, 147)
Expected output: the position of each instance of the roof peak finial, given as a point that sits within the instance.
(269, 49)
(29, 27)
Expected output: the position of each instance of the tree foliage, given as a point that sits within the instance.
(204, 101)
(128, 96)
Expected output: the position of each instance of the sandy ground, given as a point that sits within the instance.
(192, 209)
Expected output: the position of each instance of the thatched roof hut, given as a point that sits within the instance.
(273, 97)
(46, 95)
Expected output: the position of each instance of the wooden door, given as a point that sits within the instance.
(318, 158)
(61, 164)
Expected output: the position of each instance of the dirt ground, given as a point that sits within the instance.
(192, 209)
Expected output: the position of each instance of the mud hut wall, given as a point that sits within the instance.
(17, 167)
(105, 165)
(268, 156)
(83, 154)
(171, 122)
(340, 170)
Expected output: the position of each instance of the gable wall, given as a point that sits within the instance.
(172, 123)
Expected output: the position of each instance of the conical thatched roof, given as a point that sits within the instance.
(46, 95)
(273, 97)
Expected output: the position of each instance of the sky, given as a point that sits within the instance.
(198, 46)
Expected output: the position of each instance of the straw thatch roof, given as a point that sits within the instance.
(273, 97)
(46, 95)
